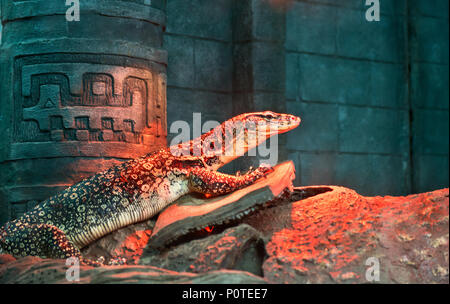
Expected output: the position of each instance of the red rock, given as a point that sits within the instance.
(336, 232)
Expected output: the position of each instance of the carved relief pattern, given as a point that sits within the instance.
(63, 100)
(82, 105)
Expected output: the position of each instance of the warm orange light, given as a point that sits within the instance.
(209, 229)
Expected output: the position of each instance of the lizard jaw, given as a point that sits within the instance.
(246, 139)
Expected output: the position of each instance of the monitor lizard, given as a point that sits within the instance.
(138, 189)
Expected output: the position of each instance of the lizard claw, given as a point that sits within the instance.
(263, 170)
(93, 263)
(266, 168)
(117, 261)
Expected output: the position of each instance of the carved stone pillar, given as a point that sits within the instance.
(76, 97)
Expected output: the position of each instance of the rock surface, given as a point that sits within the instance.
(128, 242)
(338, 236)
(33, 270)
(322, 234)
(240, 248)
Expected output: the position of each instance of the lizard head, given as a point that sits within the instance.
(236, 136)
(272, 123)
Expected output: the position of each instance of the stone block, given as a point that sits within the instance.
(372, 174)
(242, 67)
(318, 130)
(436, 8)
(430, 172)
(180, 68)
(268, 67)
(131, 30)
(5, 207)
(266, 101)
(268, 22)
(242, 20)
(311, 28)
(347, 81)
(389, 7)
(182, 103)
(317, 168)
(429, 85)
(292, 76)
(358, 38)
(243, 102)
(387, 87)
(431, 131)
(327, 79)
(200, 18)
(160, 4)
(213, 65)
(258, 101)
(431, 39)
(373, 130)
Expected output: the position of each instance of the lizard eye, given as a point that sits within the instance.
(266, 115)
(211, 145)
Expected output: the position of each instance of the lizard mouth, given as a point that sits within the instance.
(255, 133)
(287, 123)
(280, 122)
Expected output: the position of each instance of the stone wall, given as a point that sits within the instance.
(429, 93)
(347, 78)
(222, 63)
(198, 38)
(372, 95)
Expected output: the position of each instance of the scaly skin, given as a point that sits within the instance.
(135, 191)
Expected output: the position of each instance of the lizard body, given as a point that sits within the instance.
(136, 190)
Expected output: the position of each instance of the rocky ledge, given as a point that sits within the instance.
(322, 234)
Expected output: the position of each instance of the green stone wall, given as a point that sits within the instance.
(373, 96)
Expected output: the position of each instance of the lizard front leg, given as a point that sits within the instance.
(213, 183)
(25, 239)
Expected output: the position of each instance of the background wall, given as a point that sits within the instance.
(373, 96)
(199, 39)
(347, 77)
(429, 96)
